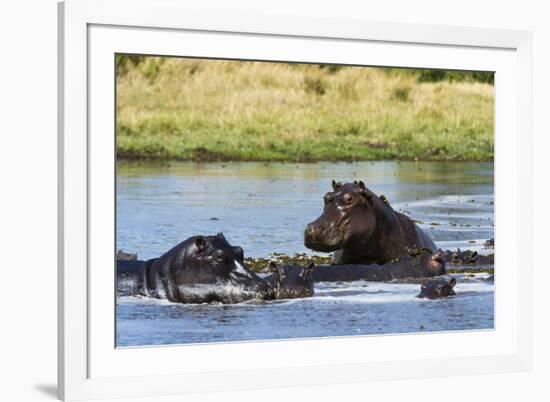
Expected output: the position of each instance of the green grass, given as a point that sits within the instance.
(205, 110)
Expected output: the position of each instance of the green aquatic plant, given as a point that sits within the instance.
(261, 264)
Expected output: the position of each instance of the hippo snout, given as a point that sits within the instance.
(322, 237)
(312, 236)
(312, 231)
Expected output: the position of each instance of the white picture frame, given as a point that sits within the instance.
(89, 365)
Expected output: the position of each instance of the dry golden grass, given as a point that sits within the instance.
(227, 110)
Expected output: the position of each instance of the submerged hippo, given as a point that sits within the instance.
(468, 257)
(290, 281)
(437, 288)
(421, 265)
(363, 228)
(201, 269)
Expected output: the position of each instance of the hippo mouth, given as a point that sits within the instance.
(222, 292)
(239, 285)
(324, 238)
(240, 273)
(318, 245)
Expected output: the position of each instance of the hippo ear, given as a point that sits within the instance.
(273, 267)
(200, 243)
(335, 185)
(277, 270)
(368, 197)
(307, 270)
(220, 236)
(452, 282)
(363, 191)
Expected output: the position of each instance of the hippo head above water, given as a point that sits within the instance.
(362, 227)
(437, 288)
(435, 262)
(203, 269)
(291, 281)
(348, 211)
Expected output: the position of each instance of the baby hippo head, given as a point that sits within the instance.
(291, 281)
(211, 269)
(464, 257)
(437, 288)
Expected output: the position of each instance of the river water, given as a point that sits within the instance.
(264, 207)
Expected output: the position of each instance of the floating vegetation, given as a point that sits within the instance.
(261, 264)
(416, 251)
(471, 270)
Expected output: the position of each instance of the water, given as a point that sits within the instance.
(264, 209)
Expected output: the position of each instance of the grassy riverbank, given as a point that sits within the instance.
(222, 110)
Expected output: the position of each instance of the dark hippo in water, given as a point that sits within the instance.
(363, 228)
(201, 269)
(290, 281)
(437, 288)
(422, 265)
(468, 257)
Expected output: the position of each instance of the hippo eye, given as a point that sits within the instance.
(348, 198)
(219, 256)
(329, 197)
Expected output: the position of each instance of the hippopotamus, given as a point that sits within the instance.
(362, 228)
(201, 269)
(468, 257)
(422, 265)
(437, 288)
(290, 281)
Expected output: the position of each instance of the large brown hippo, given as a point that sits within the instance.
(361, 227)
